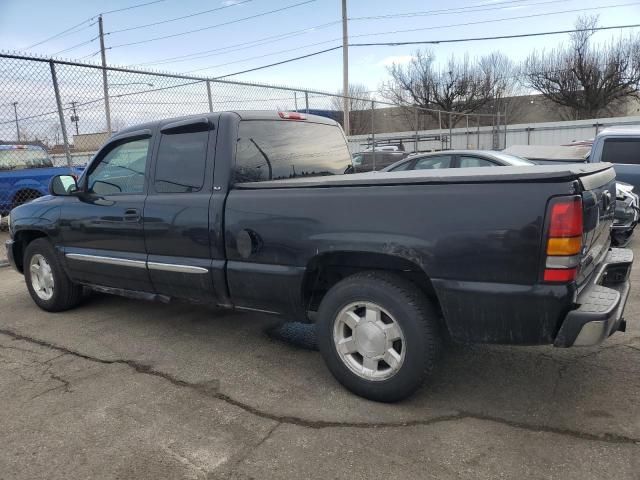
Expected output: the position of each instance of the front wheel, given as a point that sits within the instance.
(48, 283)
(378, 334)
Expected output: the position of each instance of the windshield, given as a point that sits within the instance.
(512, 159)
(22, 158)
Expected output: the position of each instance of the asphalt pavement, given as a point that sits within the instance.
(120, 389)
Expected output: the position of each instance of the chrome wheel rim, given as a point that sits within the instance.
(41, 277)
(369, 341)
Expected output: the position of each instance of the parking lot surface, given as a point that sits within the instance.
(126, 389)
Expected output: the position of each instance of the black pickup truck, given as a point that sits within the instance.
(253, 211)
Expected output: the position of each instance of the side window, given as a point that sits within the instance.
(402, 166)
(430, 163)
(467, 162)
(181, 162)
(121, 170)
(621, 150)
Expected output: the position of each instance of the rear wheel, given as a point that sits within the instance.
(48, 283)
(378, 334)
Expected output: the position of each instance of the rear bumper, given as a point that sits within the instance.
(601, 303)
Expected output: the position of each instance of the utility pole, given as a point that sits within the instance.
(74, 117)
(15, 112)
(345, 68)
(105, 83)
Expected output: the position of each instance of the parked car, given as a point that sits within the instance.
(25, 172)
(457, 159)
(372, 161)
(627, 211)
(249, 211)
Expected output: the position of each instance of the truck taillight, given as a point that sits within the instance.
(564, 239)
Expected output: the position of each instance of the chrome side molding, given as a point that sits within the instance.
(123, 262)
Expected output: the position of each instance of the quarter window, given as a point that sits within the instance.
(181, 162)
(121, 170)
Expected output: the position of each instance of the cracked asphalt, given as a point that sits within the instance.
(119, 389)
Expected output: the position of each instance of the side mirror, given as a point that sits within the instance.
(63, 185)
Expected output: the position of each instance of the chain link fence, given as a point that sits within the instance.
(57, 114)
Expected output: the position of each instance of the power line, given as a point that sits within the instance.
(427, 41)
(536, 15)
(179, 18)
(499, 37)
(62, 33)
(230, 48)
(454, 10)
(213, 26)
(75, 46)
(131, 7)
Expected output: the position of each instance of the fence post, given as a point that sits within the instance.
(505, 126)
(415, 149)
(478, 132)
(373, 131)
(209, 96)
(295, 100)
(467, 131)
(306, 101)
(63, 127)
(440, 127)
(450, 133)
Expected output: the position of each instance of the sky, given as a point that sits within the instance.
(310, 26)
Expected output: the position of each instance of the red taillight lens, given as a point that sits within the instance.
(560, 274)
(566, 218)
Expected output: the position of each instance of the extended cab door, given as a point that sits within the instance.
(176, 213)
(101, 227)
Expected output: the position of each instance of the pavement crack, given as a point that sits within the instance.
(205, 389)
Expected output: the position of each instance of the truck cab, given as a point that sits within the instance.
(621, 147)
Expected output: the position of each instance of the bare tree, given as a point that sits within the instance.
(589, 80)
(359, 107)
(460, 86)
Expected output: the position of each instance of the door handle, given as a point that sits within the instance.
(131, 215)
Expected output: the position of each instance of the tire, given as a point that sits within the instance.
(401, 303)
(41, 263)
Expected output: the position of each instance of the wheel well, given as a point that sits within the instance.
(324, 271)
(22, 239)
(25, 193)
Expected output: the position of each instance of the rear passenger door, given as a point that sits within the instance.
(176, 212)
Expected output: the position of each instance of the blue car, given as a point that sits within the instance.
(25, 172)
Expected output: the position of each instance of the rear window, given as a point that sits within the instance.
(277, 150)
(13, 158)
(621, 150)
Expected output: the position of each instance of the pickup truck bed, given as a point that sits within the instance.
(250, 210)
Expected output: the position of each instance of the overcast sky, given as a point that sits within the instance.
(25, 22)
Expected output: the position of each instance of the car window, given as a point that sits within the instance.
(402, 166)
(19, 157)
(467, 162)
(181, 162)
(621, 150)
(121, 170)
(278, 150)
(435, 162)
(357, 160)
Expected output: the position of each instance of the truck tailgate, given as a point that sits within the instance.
(598, 203)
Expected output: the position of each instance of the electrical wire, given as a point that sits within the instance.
(467, 9)
(178, 18)
(131, 7)
(62, 33)
(213, 26)
(536, 15)
(230, 48)
(75, 46)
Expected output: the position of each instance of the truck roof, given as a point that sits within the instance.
(243, 114)
(622, 130)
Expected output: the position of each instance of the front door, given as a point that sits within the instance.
(102, 228)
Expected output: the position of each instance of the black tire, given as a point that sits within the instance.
(66, 294)
(413, 312)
